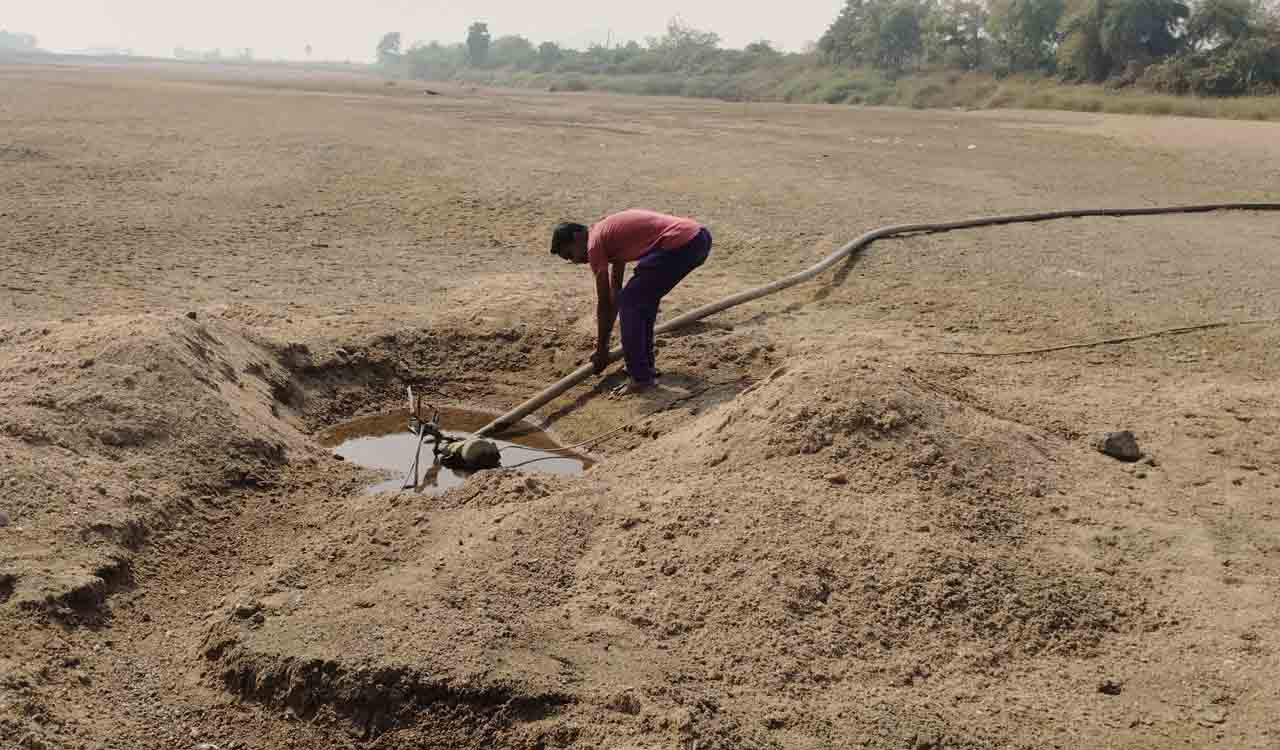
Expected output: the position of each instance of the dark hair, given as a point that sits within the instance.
(563, 234)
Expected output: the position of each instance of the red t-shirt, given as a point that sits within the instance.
(630, 235)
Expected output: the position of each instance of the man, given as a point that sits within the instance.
(664, 248)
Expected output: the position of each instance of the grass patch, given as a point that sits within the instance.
(1048, 94)
(810, 84)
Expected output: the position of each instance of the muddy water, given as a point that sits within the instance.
(383, 442)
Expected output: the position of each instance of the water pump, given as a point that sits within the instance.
(466, 453)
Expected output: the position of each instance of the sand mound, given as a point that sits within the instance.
(864, 537)
(118, 427)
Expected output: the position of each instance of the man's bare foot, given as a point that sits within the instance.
(632, 388)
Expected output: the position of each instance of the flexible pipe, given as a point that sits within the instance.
(582, 373)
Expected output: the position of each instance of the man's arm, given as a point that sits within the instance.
(607, 288)
(617, 271)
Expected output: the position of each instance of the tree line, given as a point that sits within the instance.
(244, 54)
(1208, 47)
(1205, 47)
(682, 49)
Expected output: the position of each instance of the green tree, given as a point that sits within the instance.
(847, 40)
(884, 34)
(1142, 30)
(901, 36)
(1232, 48)
(955, 34)
(761, 48)
(549, 55)
(435, 61)
(1102, 38)
(1217, 22)
(628, 51)
(478, 41)
(1024, 32)
(596, 59)
(684, 48)
(389, 48)
(513, 51)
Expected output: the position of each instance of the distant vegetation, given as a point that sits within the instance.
(214, 55)
(17, 41)
(1096, 55)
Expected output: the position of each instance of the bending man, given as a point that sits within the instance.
(664, 248)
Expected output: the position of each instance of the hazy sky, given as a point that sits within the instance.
(350, 30)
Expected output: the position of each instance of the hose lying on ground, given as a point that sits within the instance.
(582, 373)
(1107, 342)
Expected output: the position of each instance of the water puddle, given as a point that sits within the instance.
(384, 443)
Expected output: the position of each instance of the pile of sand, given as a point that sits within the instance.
(834, 539)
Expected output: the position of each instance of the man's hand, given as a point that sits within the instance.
(600, 360)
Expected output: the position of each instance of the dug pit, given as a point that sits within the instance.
(385, 443)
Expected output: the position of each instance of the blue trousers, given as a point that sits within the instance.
(655, 274)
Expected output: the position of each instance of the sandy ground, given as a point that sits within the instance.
(836, 536)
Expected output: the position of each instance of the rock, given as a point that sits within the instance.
(837, 478)
(1121, 445)
(192, 315)
(245, 609)
(206, 746)
(928, 457)
(4, 519)
(1110, 686)
(1212, 716)
(669, 568)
